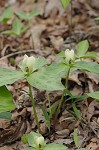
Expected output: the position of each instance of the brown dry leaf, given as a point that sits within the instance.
(63, 141)
(57, 42)
(93, 77)
(6, 148)
(52, 6)
(94, 145)
(4, 123)
(36, 35)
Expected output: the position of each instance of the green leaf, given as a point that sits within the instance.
(75, 136)
(17, 26)
(40, 62)
(55, 147)
(24, 138)
(9, 32)
(8, 76)
(5, 115)
(65, 3)
(22, 15)
(77, 112)
(87, 66)
(90, 55)
(32, 136)
(94, 95)
(58, 69)
(46, 116)
(97, 18)
(53, 109)
(82, 149)
(28, 16)
(61, 54)
(6, 100)
(44, 80)
(34, 13)
(82, 48)
(6, 15)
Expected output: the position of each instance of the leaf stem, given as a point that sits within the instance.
(34, 108)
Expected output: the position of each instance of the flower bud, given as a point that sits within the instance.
(40, 141)
(70, 55)
(28, 63)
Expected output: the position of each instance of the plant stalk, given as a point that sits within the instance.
(63, 94)
(34, 108)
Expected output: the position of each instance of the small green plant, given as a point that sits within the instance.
(7, 15)
(17, 28)
(65, 3)
(76, 141)
(27, 16)
(36, 142)
(48, 78)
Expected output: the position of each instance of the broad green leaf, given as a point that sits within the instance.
(94, 95)
(40, 62)
(32, 136)
(22, 15)
(81, 48)
(6, 15)
(5, 115)
(46, 116)
(77, 112)
(61, 54)
(8, 76)
(44, 80)
(58, 69)
(90, 55)
(9, 32)
(75, 136)
(65, 3)
(87, 66)
(34, 13)
(55, 147)
(6, 100)
(17, 26)
(28, 16)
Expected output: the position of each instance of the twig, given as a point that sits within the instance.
(18, 52)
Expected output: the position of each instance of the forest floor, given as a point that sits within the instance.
(53, 31)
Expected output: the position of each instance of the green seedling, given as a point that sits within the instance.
(76, 140)
(65, 3)
(27, 16)
(36, 75)
(72, 61)
(17, 28)
(7, 15)
(36, 142)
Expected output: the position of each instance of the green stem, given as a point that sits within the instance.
(34, 108)
(64, 93)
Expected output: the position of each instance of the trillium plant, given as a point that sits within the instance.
(36, 142)
(43, 76)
